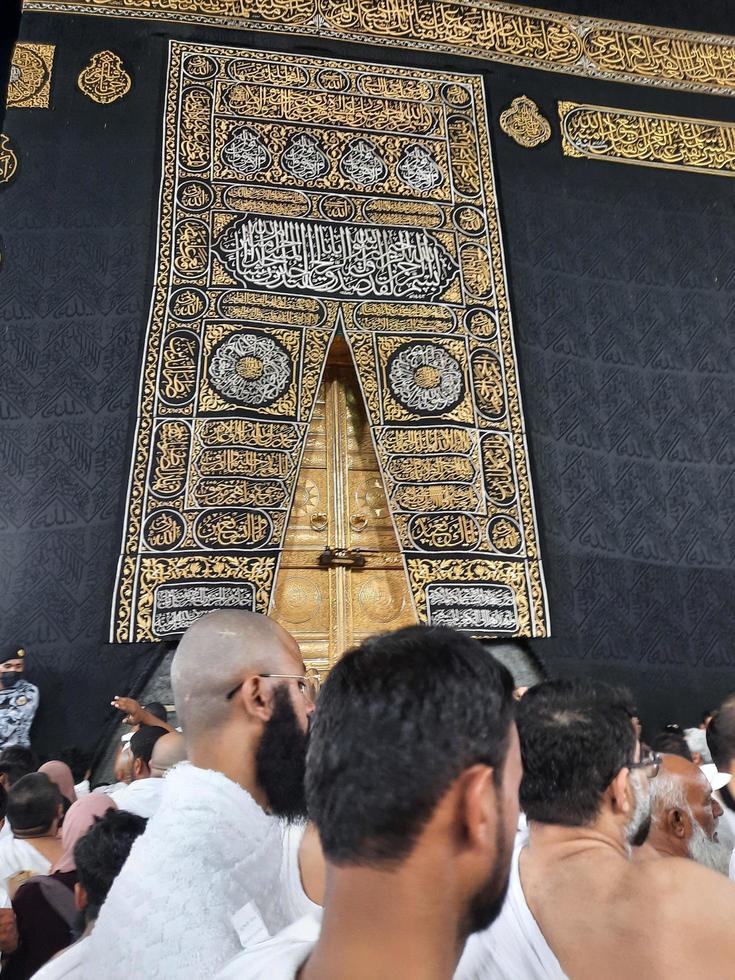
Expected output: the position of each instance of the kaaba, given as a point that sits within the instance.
(363, 314)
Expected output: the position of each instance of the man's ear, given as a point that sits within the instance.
(256, 697)
(618, 791)
(80, 897)
(138, 768)
(478, 807)
(678, 823)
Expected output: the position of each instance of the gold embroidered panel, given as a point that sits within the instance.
(30, 76)
(485, 29)
(647, 139)
(300, 195)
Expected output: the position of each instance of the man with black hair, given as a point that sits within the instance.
(671, 743)
(34, 809)
(21, 755)
(412, 782)
(11, 772)
(143, 794)
(215, 844)
(19, 762)
(157, 709)
(578, 905)
(98, 856)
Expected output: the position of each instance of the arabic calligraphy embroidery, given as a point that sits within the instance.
(104, 79)
(362, 163)
(345, 259)
(418, 169)
(250, 368)
(245, 152)
(523, 122)
(8, 159)
(304, 158)
(426, 378)
(30, 76)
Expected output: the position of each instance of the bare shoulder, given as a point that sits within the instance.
(677, 885)
(311, 865)
(685, 873)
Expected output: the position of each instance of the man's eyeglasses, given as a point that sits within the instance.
(650, 764)
(309, 684)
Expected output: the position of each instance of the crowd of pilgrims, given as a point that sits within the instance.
(419, 820)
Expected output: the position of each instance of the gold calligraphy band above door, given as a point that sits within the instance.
(518, 35)
(647, 139)
(299, 195)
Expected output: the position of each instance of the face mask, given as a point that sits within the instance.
(10, 678)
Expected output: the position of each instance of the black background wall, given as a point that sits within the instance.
(622, 283)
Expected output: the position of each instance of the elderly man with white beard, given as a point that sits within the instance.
(578, 905)
(685, 816)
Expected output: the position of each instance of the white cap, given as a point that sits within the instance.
(716, 778)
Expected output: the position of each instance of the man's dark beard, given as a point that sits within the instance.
(280, 761)
(486, 905)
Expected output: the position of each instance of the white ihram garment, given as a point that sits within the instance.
(141, 797)
(16, 856)
(206, 852)
(513, 947)
(66, 965)
(279, 958)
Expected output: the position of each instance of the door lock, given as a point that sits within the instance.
(342, 558)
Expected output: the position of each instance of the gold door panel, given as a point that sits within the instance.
(340, 503)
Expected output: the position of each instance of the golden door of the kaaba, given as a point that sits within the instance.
(340, 503)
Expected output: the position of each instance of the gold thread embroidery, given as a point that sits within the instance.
(251, 280)
(485, 29)
(8, 159)
(523, 122)
(647, 139)
(104, 79)
(30, 76)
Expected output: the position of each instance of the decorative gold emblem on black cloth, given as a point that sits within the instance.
(104, 79)
(523, 122)
(8, 159)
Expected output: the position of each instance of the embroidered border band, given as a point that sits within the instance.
(612, 50)
(647, 139)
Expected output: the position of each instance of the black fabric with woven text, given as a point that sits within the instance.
(622, 290)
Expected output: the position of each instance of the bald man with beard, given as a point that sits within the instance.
(212, 871)
(578, 906)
